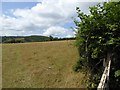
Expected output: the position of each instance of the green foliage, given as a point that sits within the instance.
(98, 34)
(117, 73)
(17, 40)
(51, 38)
(77, 66)
(34, 38)
(90, 85)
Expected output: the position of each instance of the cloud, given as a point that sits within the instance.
(58, 31)
(46, 18)
(50, 12)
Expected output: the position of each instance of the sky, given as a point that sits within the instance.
(46, 17)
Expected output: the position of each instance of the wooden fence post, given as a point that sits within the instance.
(104, 82)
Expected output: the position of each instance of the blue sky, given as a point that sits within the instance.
(48, 17)
(7, 6)
(13, 5)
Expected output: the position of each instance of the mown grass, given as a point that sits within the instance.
(40, 64)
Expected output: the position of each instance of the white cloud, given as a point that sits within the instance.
(58, 31)
(46, 18)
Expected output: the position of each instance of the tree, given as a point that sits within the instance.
(51, 38)
(97, 35)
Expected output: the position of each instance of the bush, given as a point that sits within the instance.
(77, 66)
(97, 37)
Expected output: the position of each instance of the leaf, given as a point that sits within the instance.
(95, 53)
(110, 42)
(117, 73)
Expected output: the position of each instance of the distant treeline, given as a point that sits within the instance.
(23, 39)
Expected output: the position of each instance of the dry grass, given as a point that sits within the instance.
(40, 64)
(0, 66)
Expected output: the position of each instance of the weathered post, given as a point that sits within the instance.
(104, 82)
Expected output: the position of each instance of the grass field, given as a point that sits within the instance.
(40, 64)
